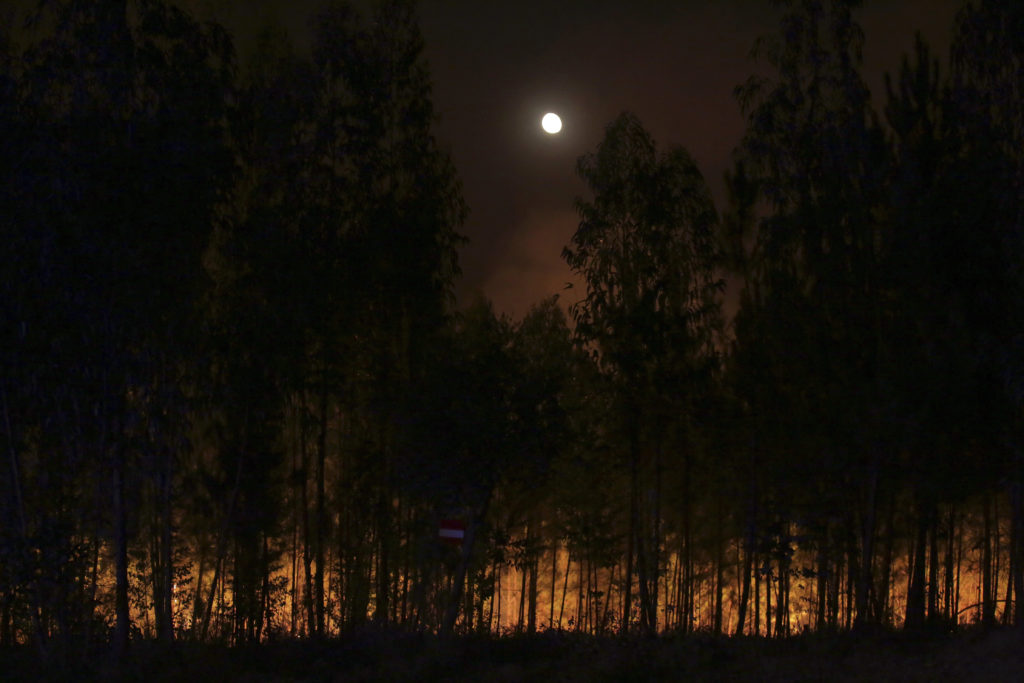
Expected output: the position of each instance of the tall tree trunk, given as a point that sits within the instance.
(522, 591)
(647, 623)
(580, 606)
(959, 563)
(321, 510)
(1007, 616)
(997, 554)
(677, 589)
(948, 610)
(531, 543)
(565, 588)
(407, 569)
(383, 575)
(822, 580)
(38, 632)
(748, 563)
(782, 600)
(655, 550)
(687, 549)
(933, 566)
(631, 536)
(719, 566)
(608, 600)
(915, 593)
(554, 581)
(988, 607)
(757, 595)
(263, 614)
(882, 615)
(867, 545)
(165, 627)
(1017, 511)
(307, 538)
(122, 626)
(222, 540)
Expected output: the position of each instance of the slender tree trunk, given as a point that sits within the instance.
(522, 592)
(580, 606)
(263, 614)
(586, 569)
(307, 562)
(627, 605)
(222, 540)
(495, 596)
(933, 566)
(997, 554)
(93, 585)
(757, 594)
(298, 479)
(835, 590)
(947, 608)
(959, 562)
(123, 618)
(565, 588)
(647, 623)
(467, 602)
(608, 599)
(688, 572)
(822, 582)
(165, 629)
(1017, 566)
(916, 594)
(867, 545)
(321, 511)
(1007, 616)
(677, 589)
(782, 599)
(531, 620)
(748, 562)
(1017, 513)
(497, 591)
(655, 550)
(988, 609)
(554, 582)
(882, 614)
(719, 566)
(407, 571)
(293, 576)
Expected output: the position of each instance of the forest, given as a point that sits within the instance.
(238, 397)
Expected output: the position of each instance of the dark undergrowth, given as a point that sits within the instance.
(373, 655)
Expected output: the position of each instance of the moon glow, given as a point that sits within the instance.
(551, 123)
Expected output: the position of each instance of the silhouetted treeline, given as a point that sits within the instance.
(237, 399)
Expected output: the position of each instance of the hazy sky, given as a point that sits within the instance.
(498, 65)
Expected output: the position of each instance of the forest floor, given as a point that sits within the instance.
(970, 655)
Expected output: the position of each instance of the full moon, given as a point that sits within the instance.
(551, 123)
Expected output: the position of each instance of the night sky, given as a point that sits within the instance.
(497, 67)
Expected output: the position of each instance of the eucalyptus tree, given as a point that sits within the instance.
(816, 152)
(645, 248)
(987, 70)
(928, 248)
(403, 208)
(125, 154)
(543, 350)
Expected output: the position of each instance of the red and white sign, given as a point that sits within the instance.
(452, 531)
